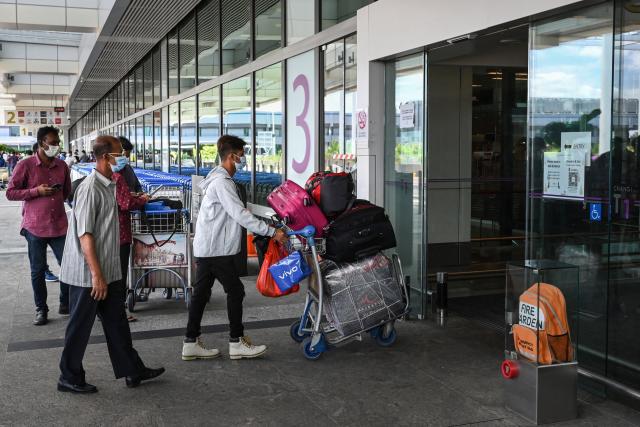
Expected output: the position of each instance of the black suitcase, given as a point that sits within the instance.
(362, 230)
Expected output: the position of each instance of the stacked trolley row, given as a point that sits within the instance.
(315, 329)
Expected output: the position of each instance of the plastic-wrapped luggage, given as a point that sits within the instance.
(361, 294)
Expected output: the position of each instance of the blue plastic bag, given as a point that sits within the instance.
(289, 271)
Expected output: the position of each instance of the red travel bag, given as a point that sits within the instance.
(296, 207)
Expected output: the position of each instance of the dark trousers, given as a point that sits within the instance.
(125, 250)
(124, 358)
(37, 247)
(207, 271)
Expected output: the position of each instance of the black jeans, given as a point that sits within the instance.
(124, 358)
(207, 271)
(37, 247)
(125, 250)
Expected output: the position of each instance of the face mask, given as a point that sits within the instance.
(50, 150)
(121, 162)
(241, 165)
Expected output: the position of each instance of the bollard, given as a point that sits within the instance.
(441, 294)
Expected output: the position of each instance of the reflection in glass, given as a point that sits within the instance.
(209, 129)
(208, 40)
(570, 101)
(300, 20)
(268, 26)
(139, 88)
(350, 89)
(188, 136)
(334, 11)
(269, 161)
(236, 34)
(132, 93)
(133, 139)
(164, 149)
(403, 169)
(174, 137)
(333, 102)
(140, 137)
(172, 62)
(187, 33)
(236, 119)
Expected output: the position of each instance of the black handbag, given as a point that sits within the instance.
(361, 231)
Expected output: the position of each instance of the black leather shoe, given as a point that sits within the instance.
(76, 388)
(41, 318)
(147, 374)
(63, 309)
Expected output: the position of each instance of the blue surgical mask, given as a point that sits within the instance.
(241, 165)
(121, 162)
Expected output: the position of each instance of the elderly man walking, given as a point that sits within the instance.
(91, 266)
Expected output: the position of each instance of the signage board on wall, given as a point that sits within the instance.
(35, 117)
(362, 122)
(578, 143)
(301, 117)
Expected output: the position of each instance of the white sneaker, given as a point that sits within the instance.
(243, 349)
(197, 350)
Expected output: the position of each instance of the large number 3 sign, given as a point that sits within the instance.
(301, 121)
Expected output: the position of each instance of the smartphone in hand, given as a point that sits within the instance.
(56, 187)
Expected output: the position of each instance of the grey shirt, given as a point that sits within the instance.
(95, 212)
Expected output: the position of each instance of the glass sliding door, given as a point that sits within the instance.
(569, 155)
(624, 253)
(404, 168)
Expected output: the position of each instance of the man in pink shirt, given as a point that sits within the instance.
(43, 183)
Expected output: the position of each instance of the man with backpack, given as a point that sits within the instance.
(217, 240)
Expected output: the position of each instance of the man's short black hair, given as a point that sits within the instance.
(126, 144)
(228, 144)
(34, 147)
(46, 130)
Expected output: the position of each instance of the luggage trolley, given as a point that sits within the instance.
(160, 252)
(314, 329)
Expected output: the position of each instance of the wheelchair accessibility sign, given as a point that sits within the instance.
(595, 212)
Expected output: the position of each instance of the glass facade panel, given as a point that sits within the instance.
(236, 120)
(208, 40)
(157, 140)
(139, 76)
(172, 62)
(570, 104)
(174, 137)
(334, 11)
(268, 26)
(403, 170)
(148, 82)
(269, 111)
(165, 132)
(300, 20)
(157, 75)
(187, 35)
(333, 102)
(140, 141)
(188, 136)
(148, 141)
(236, 33)
(350, 89)
(133, 138)
(132, 93)
(208, 129)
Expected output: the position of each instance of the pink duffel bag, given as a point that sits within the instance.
(296, 207)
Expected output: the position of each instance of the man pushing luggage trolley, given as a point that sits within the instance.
(217, 240)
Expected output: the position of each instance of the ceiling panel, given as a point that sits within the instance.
(143, 24)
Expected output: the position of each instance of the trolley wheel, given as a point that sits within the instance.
(293, 331)
(187, 297)
(308, 352)
(131, 301)
(168, 293)
(387, 341)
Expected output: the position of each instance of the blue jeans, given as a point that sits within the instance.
(38, 260)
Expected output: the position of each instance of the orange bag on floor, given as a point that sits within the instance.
(265, 283)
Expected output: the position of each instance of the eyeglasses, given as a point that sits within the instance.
(116, 154)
